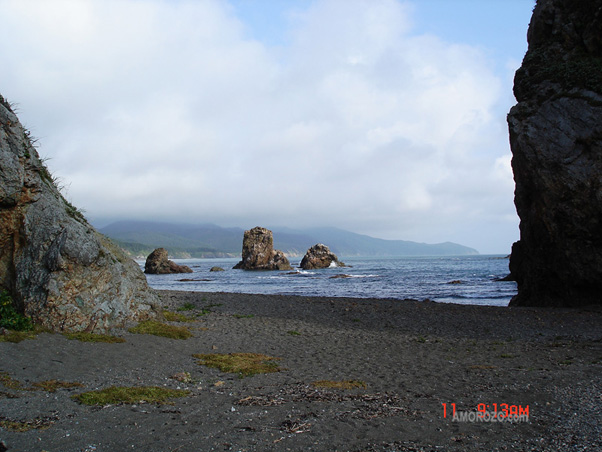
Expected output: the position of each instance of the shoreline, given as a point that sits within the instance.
(412, 356)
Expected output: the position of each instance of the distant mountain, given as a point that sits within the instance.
(140, 238)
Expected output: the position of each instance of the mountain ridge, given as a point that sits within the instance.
(139, 238)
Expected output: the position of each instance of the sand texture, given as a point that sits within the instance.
(411, 356)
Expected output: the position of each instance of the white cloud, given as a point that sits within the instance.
(166, 110)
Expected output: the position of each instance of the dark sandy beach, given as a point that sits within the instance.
(412, 356)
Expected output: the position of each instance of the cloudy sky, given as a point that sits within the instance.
(383, 117)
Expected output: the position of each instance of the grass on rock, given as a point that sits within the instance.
(244, 364)
(92, 337)
(346, 384)
(10, 318)
(161, 329)
(115, 395)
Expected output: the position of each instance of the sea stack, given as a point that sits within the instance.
(157, 263)
(556, 141)
(258, 252)
(320, 256)
(57, 268)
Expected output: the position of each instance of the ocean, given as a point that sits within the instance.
(455, 279)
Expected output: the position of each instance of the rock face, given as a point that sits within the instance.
(319, 256)
(556, 140)
(157, 263)
(57, 268)
(258, 252)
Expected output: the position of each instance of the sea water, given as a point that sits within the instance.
(457, 279)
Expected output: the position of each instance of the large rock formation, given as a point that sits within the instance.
(258, 252)
(157, 263)
(320, 256)
(56, 267)
(556, 140)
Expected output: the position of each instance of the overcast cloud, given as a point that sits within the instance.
(169, 110)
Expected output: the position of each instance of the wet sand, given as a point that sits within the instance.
(412, 356)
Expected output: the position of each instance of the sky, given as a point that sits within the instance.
(382, 117)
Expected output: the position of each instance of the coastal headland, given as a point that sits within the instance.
(354, 375)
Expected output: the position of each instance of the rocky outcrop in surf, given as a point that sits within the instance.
(556, 141)
(57, 268)
(258, 252)
(157, 263)
(320, 256)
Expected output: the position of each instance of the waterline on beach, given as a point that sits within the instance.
(456, 279)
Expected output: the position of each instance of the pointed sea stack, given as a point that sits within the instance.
(258, 252)
(556, 141)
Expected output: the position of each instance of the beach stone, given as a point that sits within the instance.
(319, 256)
(258, 252)
(157, 263)
(556, 140)
(57, 268)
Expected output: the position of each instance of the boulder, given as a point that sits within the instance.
(556, 140)
(216, 269)
(57, 268)
(157, 263)
(320, 256)
(258, 252)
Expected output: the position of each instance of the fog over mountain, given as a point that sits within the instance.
(208, 240)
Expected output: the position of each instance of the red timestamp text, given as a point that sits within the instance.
(499, 410)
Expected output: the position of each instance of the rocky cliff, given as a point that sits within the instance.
(556, 141)
(56, 267)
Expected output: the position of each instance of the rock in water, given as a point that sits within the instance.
(157, 263)
(319, 256)
(556, 141)
(258, 252)
(58, 269)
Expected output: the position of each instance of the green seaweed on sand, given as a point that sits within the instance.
(17, 336)
(53, 385)
(92, 337)
(293, 333)
(10, 383)
(47, 385)
(186, 307)
(161, 329)
(115, 395)
(244, 364)
(23, 426)
(176, 317)
(345, 384)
